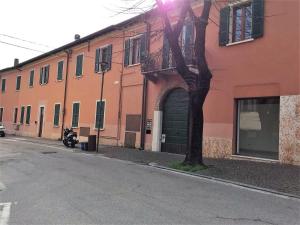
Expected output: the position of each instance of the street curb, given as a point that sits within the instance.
(226, 181)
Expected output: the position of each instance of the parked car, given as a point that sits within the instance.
(2, 130)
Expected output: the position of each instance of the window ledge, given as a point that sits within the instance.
(78, 77)
(30, 86)
(58, 81)
(101, 129)
(133, 65)
(240, 42)
(44, 84)
(56, 126)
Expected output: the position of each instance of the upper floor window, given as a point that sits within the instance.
(135, 50)
(241, 21)
(103, 54)
(18, 83)
(79, 65)
(186, 42)
(3, 85)
(31, 78)
(44, 74)
(60, 69)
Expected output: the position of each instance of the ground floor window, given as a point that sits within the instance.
(258, 127)
(75, 117)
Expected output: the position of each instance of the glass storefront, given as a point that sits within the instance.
(258, 127)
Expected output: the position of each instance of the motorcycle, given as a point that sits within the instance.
(70, 138)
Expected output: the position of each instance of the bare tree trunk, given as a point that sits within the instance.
(196, 121)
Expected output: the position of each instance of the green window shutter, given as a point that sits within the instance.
(97, 60)
(109, 57)
(1, 115)
(3, 86)
(22, 115)
(100, 114)
(31, 78)
(224, 26)
(41, 75)
(257, 18)
(56, 114)
(79, 62)
(166, 53)
(60, 67)
(28, 114)
(18, 83)
(127, 52)
(188, 41)
(143, 47)
(47, 71)
(75, 117)
(16, 115)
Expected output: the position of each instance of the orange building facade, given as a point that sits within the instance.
(252, 110)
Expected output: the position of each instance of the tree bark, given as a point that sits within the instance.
(198, 83)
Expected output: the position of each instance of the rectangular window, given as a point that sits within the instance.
(79, 65)
(135, 50)
(1, 115)
(44, 74)
(242, 22)
(15, 115)
(100, 109)
(75, 116)
(3, 85)
(60, 68)
(258, 127)
(28, 115)
(103, 55)
(18, 83)
(56, 115)
(22, 114)
(31, 78)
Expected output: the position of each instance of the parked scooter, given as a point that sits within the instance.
(70, 138)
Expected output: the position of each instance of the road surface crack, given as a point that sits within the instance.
(257, 220)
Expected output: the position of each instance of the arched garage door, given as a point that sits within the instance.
(175, 122)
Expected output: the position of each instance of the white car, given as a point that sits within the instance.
(2, 130)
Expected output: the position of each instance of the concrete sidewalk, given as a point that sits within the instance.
(282, 178)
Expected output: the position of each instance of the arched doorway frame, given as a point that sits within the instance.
(158, 115)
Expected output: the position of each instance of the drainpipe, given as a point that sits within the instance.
(120, 95)
(145, 90)
(68, 52)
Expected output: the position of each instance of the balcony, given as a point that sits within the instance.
(162, 63)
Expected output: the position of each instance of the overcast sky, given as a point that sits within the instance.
(52, 23)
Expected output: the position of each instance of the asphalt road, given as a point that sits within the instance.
(64, 187)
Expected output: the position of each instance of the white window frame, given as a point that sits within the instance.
(28, 124)
(63, 67)
(100, 56)
(43, 74)
(3, 91)
(131, 39)
(73, 113)
(79, 76)
(17, 82)
(57, 103)
(29, 78)
(232, 6)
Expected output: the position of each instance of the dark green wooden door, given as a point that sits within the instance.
(175, 122)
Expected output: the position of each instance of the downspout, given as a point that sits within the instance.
(145, 90)
(68, 52)
(120, 95)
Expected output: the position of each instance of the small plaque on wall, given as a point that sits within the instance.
(148, 126)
